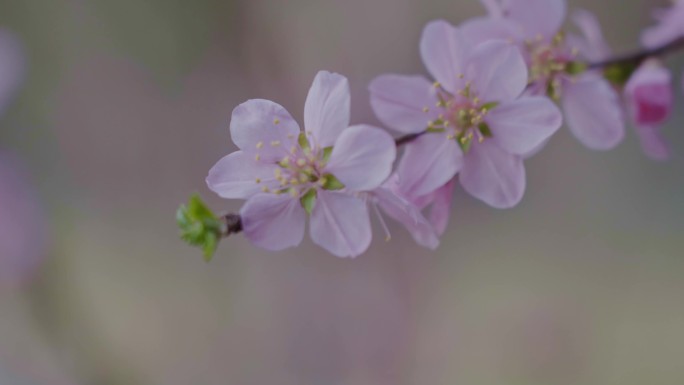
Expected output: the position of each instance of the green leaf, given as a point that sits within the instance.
(326, 153)
(485, 130)
(332, 183)
(198, 226)
(575, 67)
(303, 141)
(308, 200)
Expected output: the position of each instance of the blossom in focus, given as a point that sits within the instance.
(11, 67)
(649, 98)
(554, 58)
(287, 174)
(476, 119)
(22, 226)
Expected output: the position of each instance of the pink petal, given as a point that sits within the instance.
(497, 71)
(594, 46)
(482, 29)
(273, 222)
(340, 224)
(670, 27)
(649, 94)
(440, 212)
(262, 127)
(593, 112)
(235, 176)
(408, 215)
(362, 157)
(521, 126)
(494, 7)
(428, 163)
(537, 17)
(399, 102)
(443, 51)
(652, 143)
(493, 175)
(327, 108)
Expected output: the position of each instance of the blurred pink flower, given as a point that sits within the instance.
(285, 173)
(12, 66)
(591, 106)
(479, 122)
(649, 99)
(670, 25)
(22, 226)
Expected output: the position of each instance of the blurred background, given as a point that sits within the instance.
(117, 110)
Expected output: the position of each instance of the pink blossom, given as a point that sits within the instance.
(287, 174)
(649, 98)
(670, 26)
(591, 106)
(478, 121)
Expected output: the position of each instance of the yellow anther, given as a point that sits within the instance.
(461, 76)
(322, 181)
(436, 84)
(258, 180)
(265, 189)
(301, 162)
(275, 143)
(259, 145)
(303, 178)
(293, 150)
(294, 181)
(257, 157)
(293, 193)
(285, 162)
(426, 109)
(276, 121)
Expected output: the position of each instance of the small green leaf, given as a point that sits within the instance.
(485, 130)
(576, 67)
(198, 226)
(326, 153)
(308, 200)
(332, 183)
(489, 106)
(303, 141)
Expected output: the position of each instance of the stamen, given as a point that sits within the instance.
(388, 235)
(275, 143)
(276, 121)
(259, 145)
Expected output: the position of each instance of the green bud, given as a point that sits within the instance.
(308, 200)
(199, 226)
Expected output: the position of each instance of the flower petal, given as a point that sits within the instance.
(649, 95)
(428, 163)
(652, 143)
(440, 212)
(522, 125)
(593, 112)
(537, 17)
(443, 51)
(406, 213)
(362, 157)
(670, 26)
(482, 29)
(493, 175)
(262, 127)
(327, 108)
(400, 101)
(340, 224)
(497, 71)
(273, 222)
(593, 45)
(239, 176)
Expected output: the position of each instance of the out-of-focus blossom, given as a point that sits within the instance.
(12, 65)
(591, 106)
(649, 98)
(286, 174)
(478, 120)
(22, 226)
(670, 25)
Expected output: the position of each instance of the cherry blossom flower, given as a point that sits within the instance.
(475, 117)
(649, 98)
(647, 95)
(670, 25)
(287, 174)
(591, 106)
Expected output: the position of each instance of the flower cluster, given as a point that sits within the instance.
(501, 85)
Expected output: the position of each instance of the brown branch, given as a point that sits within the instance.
(637, 58)
(233, 224)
